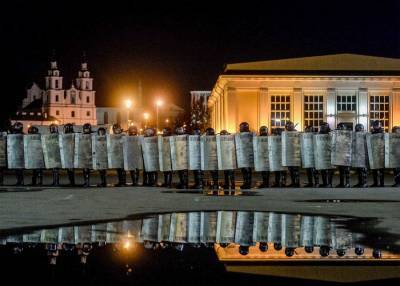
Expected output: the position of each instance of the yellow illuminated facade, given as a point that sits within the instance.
(338, 88)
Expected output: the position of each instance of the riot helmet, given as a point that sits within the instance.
(324, 250)
(309, 249)
(149, 132)
(53, 128)
(341, 126)
(359, 127)
(68, 128)
(17, 128)
(224, 245)
(324, 128)
(224, 132)
(277, 246)
(196, 131)
(180, 130)
(289, 126)
(289, 251)
(396, 129)
(132, 130)
(244, 127)
(117, 128)
(376, 253)
(309, 129)
(341, 252)
(33, 130)
(210, 131)
(359, 251)
(101, 131)
(243, 250)
(277, 131)
(87, 128)
(376, 127)
(167, 131)
(263, 246)
(263, 130)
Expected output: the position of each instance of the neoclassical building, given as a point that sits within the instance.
(346, 88)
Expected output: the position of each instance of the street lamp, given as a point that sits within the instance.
(159, 103)
(146, 116)
(128, 105)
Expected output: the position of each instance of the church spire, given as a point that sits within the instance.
(53, 60)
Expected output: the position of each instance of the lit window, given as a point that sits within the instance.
(72, 113)
(280, 110)
(346, 103)
(87, 113)
(379, 110)
(313, 110)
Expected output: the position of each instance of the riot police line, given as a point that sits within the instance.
(268, 231)
(319, 152)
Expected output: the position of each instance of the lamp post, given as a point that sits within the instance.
(128, 105)
(159, 103)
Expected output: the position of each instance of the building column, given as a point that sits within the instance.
(395, 108)
(331, 107)
(231, 109)
(297, 109)
(263, 108)
(362, 108)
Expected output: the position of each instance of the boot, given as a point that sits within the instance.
(309, 173)
(375, 178)
(71, 177)
(214, 176)
(166, 177)
(359, 177)
(249, 177)
(381, 178)
(137, 177)
(246, 179)
(121, 178)
(34, 177)
(103, 178)
(1, 177)
(341, 178)
(396, 174)
(133, 177)
(316, 177)
(145, 179)
(20, 177)
(277, 182)
(232, 179)
(56, 178)
(196, 176)
(40, 177)
(226, 180)
(265, 180)
(86, 178)
(330, 178)
(181, 184)
(347, 177)
(294, 177)
(364, 178)
(324, 175)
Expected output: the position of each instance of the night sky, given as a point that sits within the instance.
(174, 49)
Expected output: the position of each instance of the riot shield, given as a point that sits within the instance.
(33, 237)
(132, 229)
(194, 155)
(3, 150)
(66, 235)
(114, 231)
(83, 151)
(164, 154)
(164, 222)
(376, 150)
(275, 153)
(15, 151)
(307, 231)
(226, 223)
(291, 149)
(307, 150)
(99, 232)
(244, 149)
(178, 228)
(150, 153)
(322, 151)
(150, 229)
(261, 155)
(275, 228)
(132, 149)
(49, 235)
(99, 152)
(244, 228)
(193, 227)
(179, 152)
(341, 238)
(392, 150)
(260, 229)
(83, 234)
(208, 227)
(322, 229)
(226, 152)
(67, 143)
(290, 230)
(115, 151)
(359, 158)
(209, 156)
(51, 151)
(341, 147)
(33, 152)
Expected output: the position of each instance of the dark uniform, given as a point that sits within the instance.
(396, 171)
(103, 173)
(362, 173)
(197, 174)
(18, 128)
(280, 176)
(311, 172)
(37, 174)
(293, 171)
(120, 171)
(344, 171)
(167, 174)
(135, 174)
(377, 173)
(214, 173)
(264, 174)
(69, 128)
(229, 175)
(246, 172)
(326, 175)
(53, 128)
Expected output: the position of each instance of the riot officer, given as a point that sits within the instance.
(362, 173)
(280, 176)
(293, 171)
(86, 129)
(150, 178)
(246, 172)
(264, 174)
(377, 128)
(344, 171)
(53, 128)
(229, 175)
(197, 174)
(167, 174)
(69, 128)
(103, 173)
(37, 174)
(396, 171)
(311, 172)
(135, 174)
(120, 171)
(326, 175)
(18, 128)
(214, 173)
(182, 174)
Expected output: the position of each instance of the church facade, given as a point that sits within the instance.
(345, 88)
(54, 104)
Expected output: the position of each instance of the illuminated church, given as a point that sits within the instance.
(346, 88)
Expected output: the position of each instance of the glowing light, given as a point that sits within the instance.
(146, 115)
(166, 120)
(159, 132)
(128, 103)
(127, 245)
(159, 102)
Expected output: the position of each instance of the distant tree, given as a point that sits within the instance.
(199, 117)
